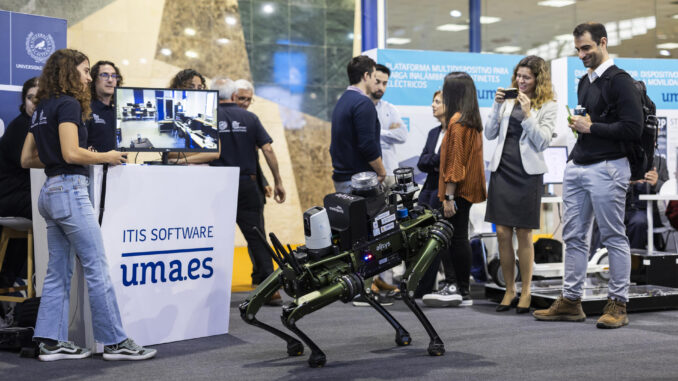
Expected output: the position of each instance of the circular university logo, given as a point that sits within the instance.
(39, 46)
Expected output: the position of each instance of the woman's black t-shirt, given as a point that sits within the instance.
(45, 129)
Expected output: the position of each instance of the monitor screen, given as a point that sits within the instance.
(166, 120)
(556, 160)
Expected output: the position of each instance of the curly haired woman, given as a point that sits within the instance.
(57, 141)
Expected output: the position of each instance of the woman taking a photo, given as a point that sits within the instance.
(523, 127)
(57, 141)
(462, 173)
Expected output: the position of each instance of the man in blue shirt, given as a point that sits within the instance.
(101, 127)
(355, 145)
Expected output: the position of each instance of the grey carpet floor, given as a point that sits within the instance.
(481, 344)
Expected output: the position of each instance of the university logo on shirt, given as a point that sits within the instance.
(223, 125)
(238, 128)
(97, 119)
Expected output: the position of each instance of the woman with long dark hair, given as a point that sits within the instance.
(57, 141)
(523, 127)
(462, 174)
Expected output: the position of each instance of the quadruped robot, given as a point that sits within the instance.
(354, 237)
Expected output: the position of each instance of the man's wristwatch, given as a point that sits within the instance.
(449, 197)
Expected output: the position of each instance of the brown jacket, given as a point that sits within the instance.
(461, 162)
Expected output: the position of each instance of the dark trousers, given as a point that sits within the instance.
(429, 197)
(457, 257)
(250, 214)
(15, 204)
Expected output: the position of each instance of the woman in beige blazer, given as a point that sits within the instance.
(523, 128)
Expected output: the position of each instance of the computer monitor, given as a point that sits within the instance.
(556, 160)
(160, 131)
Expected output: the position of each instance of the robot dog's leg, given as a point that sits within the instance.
(345, 290)
(409, 284)
(402, 336)
(250, 307)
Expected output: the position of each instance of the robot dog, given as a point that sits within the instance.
(356, 236)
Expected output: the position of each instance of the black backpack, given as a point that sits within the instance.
(641, 152)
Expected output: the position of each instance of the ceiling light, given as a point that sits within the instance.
(452, 27)
(189, 31)
(165, 52)
(268, 8)
(508, 49)
(142, 60)
(675, 17)
(223, 41)
(230, 20)
(668, 45)
(489, 19)
(350, 36)
(125, 62)
(191, 54)
(398, 41)
(455, 13)
(556, 3)
(664, 53)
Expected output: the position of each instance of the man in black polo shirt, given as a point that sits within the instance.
(596, 179)
(240, 134)
(355, 145)
(101, 127)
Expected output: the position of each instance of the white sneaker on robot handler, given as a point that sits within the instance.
(447, 296)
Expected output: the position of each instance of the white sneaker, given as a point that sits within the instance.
(447, 296)
(128, 350)
(63, 350)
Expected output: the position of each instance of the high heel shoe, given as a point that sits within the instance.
(506, 307)
(524, 310)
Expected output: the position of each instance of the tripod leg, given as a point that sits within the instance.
(305, 305)
(250, 307)
(402, 336)
(409, 284)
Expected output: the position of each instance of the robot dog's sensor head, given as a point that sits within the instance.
(365, 184)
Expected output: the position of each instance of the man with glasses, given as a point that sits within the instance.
(243, 93)
(101, 127)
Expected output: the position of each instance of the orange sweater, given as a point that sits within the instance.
(461, 162)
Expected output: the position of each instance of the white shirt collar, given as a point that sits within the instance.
(593, 75)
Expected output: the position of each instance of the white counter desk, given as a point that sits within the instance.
(168, 233)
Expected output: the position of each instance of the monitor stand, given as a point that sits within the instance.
(163, 161)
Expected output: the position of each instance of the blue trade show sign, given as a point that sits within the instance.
(660, 77)
(26, 41)
(417, 74)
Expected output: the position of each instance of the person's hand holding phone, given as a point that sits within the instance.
(499, 95)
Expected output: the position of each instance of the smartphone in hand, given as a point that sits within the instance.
(511, 93)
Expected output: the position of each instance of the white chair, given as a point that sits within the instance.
(667, 231)
(17, 227)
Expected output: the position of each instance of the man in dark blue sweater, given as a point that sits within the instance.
(355, 145)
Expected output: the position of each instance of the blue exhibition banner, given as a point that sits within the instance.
(26, 41)
(416, 74)
(660, 77)
(33, 39)
(5, 67)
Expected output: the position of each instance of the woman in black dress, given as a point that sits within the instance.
(523, 127)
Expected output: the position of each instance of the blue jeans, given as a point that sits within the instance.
(596, 190)
(72, 229)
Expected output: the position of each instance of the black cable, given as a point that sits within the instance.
(102, 201)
